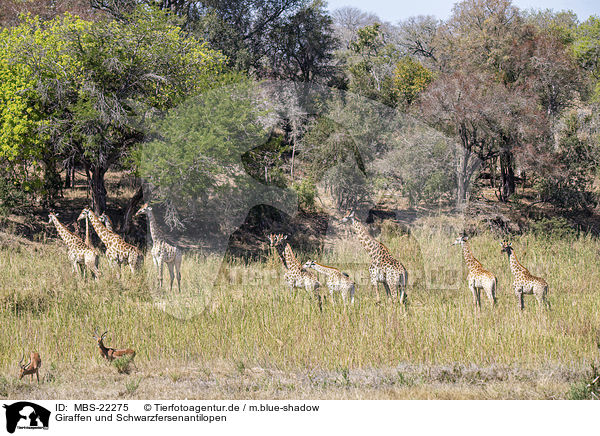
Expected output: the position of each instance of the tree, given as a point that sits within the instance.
(418, 36)
(93, 79)
(305, 45)
(586, 47)
(570, 185)
(488, 119)
(410, 78)
(347, 20)
(370, 64)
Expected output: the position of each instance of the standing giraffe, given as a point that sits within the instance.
(107, 222)
(162, 251)
(478, 278)
(295, 276)
(524, 282)
(88, 240)
(80, 255)
(384, 267)
(337, 281)
(117, 250)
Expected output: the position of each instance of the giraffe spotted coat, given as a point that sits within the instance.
(80, 255)
(478, 278)
(337, 281)
(384, 268)
(118, 251)
(523, 281)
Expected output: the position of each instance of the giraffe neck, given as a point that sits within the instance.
(155, 232)
(103, 233)
(280, 252)
(468, 255)
(366, 240)
(324, 269)
(290, 260)
(87, 232)
(515, 266)
(69, 238)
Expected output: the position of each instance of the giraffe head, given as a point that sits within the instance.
(460, 240)
(52, 215)
(506, 247)
(84, 214)
(348, 217)
(145, 208)
(276, 239)
(309, 264)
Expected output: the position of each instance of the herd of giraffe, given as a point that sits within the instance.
(390, 272)
(84, 256)
(384, 267)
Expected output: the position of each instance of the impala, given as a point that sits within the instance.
(111, 353)
(31, 367)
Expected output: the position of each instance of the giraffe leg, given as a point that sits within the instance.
(352, 290)
(387, 290)
(160, 274)
(492, 293)
(475, 295)
(520, 299)
(178, 270)
(170, 267)
(402, 287)
(375, 284)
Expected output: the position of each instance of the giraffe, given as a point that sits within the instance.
(478, 278)
(107, 222)
(384, 268)
(117, 250)
(88, 240)
(80, 255)
(337, 281)
(295, 276)
(162, 252)
(524, 282)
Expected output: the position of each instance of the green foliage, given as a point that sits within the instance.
(132, 385)
(555, 227)
(76, 86)
(12, 196)
(306, 190)
(576, 157)
(264, 163)
(586, 48)
(370, 65)
(198, 147)
(587, 389)
(123, 364)
(410, 78)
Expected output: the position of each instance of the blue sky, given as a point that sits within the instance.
(393, 11)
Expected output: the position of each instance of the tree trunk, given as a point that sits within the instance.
(131, 206)
(507, 174)
(98, 189)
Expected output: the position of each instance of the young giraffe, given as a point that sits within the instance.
(384, 267)
(478, 278)
(162, 251)
(107, 222)
(294, 276)
(117, 250)
(337, 281)
(524, 282)
(80, 255)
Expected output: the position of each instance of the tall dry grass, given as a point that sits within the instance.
(243, 314)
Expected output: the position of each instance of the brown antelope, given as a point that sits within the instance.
(31, 367)
(111, 353)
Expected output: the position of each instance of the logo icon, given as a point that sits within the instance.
(26, 415)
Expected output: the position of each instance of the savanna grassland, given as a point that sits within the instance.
(235, 331)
